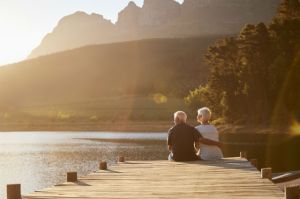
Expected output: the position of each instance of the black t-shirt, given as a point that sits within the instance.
(182, 138)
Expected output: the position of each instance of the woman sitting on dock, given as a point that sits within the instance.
(208, 131)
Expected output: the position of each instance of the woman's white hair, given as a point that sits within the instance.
(204, 113)
(180, 116)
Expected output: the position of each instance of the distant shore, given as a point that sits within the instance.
(130, 126)
(123, 126)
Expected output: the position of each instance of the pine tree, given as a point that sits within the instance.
(288, 9)
(223, 81)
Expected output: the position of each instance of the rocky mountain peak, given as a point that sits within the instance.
(157, 19)
(129, 16)
(157, 12)
(159, 3)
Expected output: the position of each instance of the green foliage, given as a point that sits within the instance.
(255, 75)
(198, 97)
(203, 96)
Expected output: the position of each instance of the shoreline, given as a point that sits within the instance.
(90, 127)
(125, 127)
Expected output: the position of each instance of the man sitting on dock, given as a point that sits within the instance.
(184, 140)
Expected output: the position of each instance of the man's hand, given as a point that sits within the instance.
(197, 147)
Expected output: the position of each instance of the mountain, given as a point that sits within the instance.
(129, 17)
(167, 66)
(76, 30)
(225, 16)
(158, 12)
(156, 19)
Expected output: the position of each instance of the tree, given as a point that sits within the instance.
(288, 10)
(253, 76)
(223, 81)
(256, 54)
(204, 97)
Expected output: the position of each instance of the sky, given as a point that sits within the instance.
(24, 23)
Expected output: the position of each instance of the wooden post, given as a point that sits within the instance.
(103, 165)
(72, 177)
(292, 192)
(13, 191)
(121, 159)
(243, 154)
(253, 162)
(266, 173)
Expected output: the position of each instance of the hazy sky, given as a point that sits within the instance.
(24, 23)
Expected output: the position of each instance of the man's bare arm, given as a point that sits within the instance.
(210, 142)
(170, 148)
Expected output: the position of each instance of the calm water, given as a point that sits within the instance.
(38, 160)
(41, 159)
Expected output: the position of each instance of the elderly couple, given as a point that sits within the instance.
(187, 143)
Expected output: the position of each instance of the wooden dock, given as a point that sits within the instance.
(227, 178)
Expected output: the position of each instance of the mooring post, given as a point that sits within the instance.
(121, 159)
(253, 162)
(13, 191)
(266, 173)
(243, 154)
(72, 177)
(292, 192)
(103, 165)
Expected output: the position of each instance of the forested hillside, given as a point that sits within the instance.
(255, 76)
(147, 78)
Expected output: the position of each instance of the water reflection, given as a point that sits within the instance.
(39, 160)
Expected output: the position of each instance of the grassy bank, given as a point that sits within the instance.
(124, 113)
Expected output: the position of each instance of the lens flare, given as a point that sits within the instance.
(159, 98)
(295, 128)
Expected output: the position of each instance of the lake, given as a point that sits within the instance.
(42, 159)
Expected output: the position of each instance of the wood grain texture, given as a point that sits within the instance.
(228, 178)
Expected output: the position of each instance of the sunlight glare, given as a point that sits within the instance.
(295, 128)
(159, 98)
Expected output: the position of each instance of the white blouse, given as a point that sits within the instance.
(209, 152)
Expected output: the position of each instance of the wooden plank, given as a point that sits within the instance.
(227, 178)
